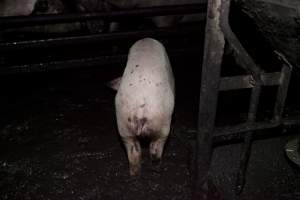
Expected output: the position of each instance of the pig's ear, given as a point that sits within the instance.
(115, 84)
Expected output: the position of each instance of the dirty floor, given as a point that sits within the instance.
(58, 140)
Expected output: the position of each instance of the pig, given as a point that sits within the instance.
(16, 7)
(32, 8)
(145, 101)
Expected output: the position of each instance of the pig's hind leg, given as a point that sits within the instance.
(157, 145)
(134, 153)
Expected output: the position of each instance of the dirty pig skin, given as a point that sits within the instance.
(145, 100)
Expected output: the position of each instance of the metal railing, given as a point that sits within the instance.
(9, 47)
(217, 33)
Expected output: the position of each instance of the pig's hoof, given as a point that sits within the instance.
(134, 171)
(156, 165)
(156, 162)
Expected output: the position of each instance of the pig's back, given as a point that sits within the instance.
(147, 86)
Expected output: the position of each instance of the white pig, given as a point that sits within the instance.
(145, 100)
(16, 7)
(29, 7)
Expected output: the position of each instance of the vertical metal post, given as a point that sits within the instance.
(211, 68)
(283, 87)
(253, 105)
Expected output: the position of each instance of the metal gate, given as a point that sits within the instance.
(217, 33)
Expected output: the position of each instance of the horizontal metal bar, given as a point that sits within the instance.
(239, 136)
(246, 81)
(82, 63)
(100, 38)
(18, 21)
(244, 127)
(54, 65)
(290, 121)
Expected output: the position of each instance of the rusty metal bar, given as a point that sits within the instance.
(246, 151)
(283, 88)
(253, 105)
(246, 81)
(237, 136)
(54, 65)
(211, 70)
(103, 38)
(19, 21)
(245, 127)
(86, 62)
(241, 56)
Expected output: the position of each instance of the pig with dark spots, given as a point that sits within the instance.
(143, 109)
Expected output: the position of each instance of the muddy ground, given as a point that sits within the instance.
(59, 141)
